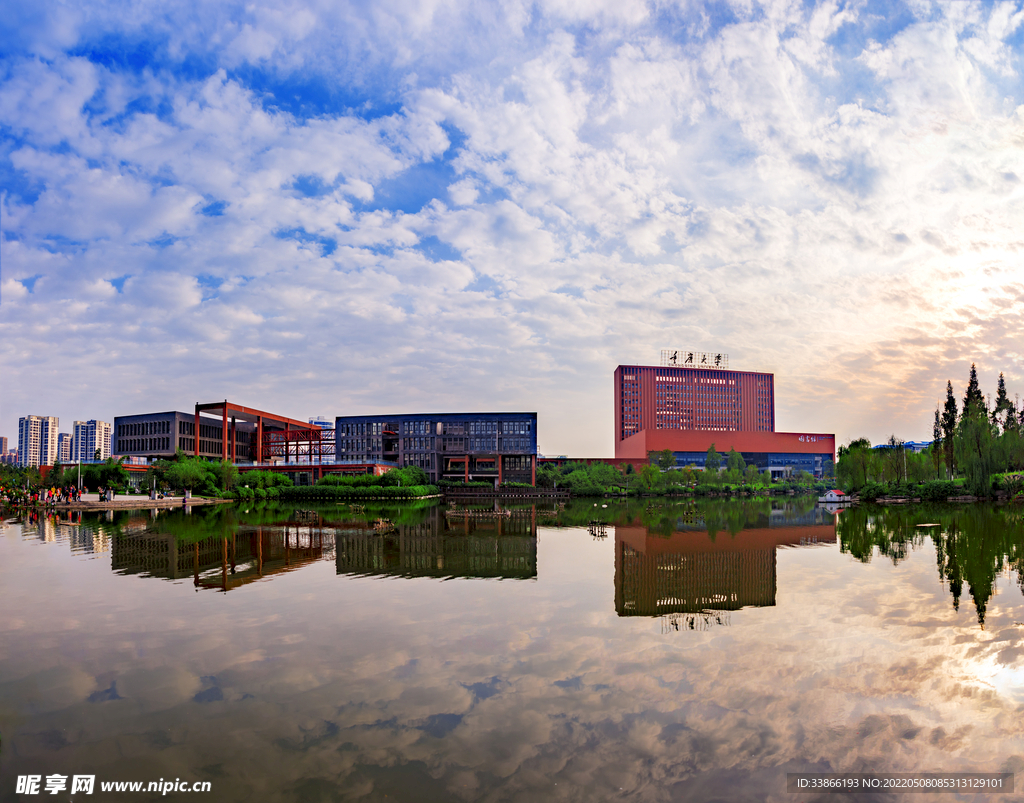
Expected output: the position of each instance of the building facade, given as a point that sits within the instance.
(160, 435)
(692, 399)
(3, 446)
(37, 440)
(64, 447)
(448, 446)
(688, 410)
(90, 437)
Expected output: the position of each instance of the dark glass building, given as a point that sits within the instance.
(456, 446)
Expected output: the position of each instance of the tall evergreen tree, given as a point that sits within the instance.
(949, 417)
(974, 402)
(937, 439)
(1003, 408)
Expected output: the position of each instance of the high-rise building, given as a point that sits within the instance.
(3, 446)
(692, 399)
(693, 402)
(64, 447)
(37, 440)
(89, 437)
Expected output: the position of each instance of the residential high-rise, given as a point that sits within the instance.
(64, 447)
(90, 436)
(37, 440)
(3, 446)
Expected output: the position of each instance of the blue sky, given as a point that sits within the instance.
(339, 208)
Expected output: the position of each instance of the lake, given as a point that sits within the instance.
(649, 650)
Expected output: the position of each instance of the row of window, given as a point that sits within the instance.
(137, 428)
(143, 445)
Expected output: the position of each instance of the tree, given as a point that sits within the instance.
(973, 400)
(854, 464)
(713, 461)
(189, 474)
(896, 459)
(1003, 410)
(649, 476)
(734, 461)
(936, 446)
(975, 451)
(949, 419)
(664, 459)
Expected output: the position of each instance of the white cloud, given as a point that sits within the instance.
(748, 185)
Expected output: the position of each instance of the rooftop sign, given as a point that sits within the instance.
(694, 359)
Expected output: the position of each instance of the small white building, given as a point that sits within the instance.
(834, 496)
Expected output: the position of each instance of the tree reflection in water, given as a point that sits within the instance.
(973, 543)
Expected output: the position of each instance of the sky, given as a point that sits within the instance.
(335, 208)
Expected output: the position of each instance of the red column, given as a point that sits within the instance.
(533, 470)
(195, 440)
(259, 439)
(500, 461)
(467, 468)
(234, 450)
(224, 432)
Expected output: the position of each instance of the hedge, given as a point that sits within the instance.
(328, 493)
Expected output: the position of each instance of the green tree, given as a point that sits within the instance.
(975, 453)
(949, 419)
(1003, 409)
(734, 461)
(649, 476)
(974, 402)
(896, 460)
(713, 461)
(664, 459)
(936, 447)
(854, 465)
(191, 474)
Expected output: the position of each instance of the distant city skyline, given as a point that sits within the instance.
(348, 210)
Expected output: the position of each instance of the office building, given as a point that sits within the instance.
(64, 447)
(692, 400)
(3, 446)
(160, 435)
(89, 438)
(686, 405)
(448, 446)
(37, 440)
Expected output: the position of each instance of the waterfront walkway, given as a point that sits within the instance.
(126, 502)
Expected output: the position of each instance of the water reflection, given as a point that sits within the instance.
(460, 543)
(973, 544)
(327, 686)
(225, 562)
(696, 571)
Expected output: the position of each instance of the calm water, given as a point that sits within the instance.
(662, 652)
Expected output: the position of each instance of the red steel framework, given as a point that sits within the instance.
(276, 435)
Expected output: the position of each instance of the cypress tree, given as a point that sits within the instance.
(949, 416)
(937, 439)
(1002, 403)
(974, 402)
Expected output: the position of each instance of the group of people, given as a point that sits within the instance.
(11, 496)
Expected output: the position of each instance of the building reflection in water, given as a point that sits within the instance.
(449, 543)
(693, 578)
(441, 544)
(85, 537)
(225, 562)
